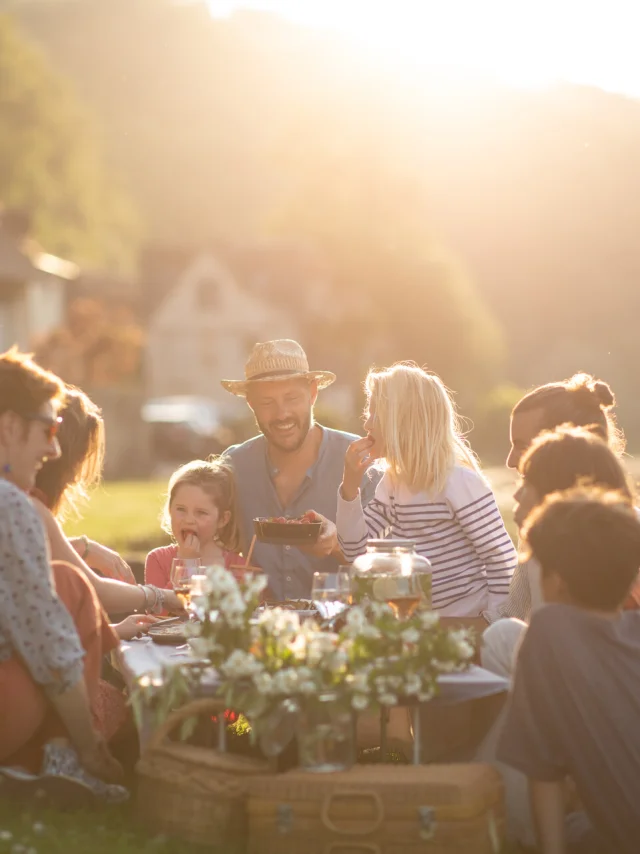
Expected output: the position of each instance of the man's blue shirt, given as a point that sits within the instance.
(290, 571)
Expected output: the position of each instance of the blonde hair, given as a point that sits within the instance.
(214, 477)
(420, 428)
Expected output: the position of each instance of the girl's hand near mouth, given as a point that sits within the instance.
(357, 460)
(190, 545)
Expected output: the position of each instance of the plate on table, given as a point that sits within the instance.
(304, 608)
(168, 635)
(286, 531)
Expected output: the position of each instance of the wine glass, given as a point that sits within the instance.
(331, 591)
(182, 570)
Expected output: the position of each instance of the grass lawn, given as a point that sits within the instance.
(124, 515)
(110, 831)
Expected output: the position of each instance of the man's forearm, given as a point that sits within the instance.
(547, 804)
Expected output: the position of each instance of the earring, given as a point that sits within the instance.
(6, 468)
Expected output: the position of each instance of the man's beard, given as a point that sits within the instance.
(303, 427)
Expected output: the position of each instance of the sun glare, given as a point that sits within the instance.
(519, 42)
(463, 46)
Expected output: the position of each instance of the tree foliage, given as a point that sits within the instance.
(218, 123)
(403, 295)
(51, 163)
(100, 346)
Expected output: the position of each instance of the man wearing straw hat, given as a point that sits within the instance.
(294, 466)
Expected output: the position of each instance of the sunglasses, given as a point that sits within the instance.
(52, 424)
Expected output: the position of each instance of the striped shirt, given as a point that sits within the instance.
(460, 531)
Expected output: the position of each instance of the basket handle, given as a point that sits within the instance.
(192, 709)
(352, 846)
(343, 796)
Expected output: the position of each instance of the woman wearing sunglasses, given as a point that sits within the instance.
(53, 631)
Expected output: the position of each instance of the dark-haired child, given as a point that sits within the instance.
(575, 703)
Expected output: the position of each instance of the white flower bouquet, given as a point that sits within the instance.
(267, 660)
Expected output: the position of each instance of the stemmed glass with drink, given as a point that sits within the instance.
(182, 571)
(331, 591)
(331, 586)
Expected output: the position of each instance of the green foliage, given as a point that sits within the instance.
(51, 163)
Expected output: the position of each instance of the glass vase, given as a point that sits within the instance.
(325, 735)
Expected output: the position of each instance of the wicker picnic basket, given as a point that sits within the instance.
(378, 809)
(195, 793)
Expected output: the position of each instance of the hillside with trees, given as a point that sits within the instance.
(251, 127)
(51, 162)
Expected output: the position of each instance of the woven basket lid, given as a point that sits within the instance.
(457, 784)
(175, 754)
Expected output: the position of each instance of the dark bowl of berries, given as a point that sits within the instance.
(287, 531)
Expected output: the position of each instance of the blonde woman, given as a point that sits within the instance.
(432, 492)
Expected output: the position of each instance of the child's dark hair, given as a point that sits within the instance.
(563, 458)
(590, 538)
(582, 401)
(215, 477)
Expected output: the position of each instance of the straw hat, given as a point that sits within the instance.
(276, 360)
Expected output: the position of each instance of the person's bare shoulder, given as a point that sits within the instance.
(46, 516)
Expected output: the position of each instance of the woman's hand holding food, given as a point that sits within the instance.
(134, 626)
(356, 461)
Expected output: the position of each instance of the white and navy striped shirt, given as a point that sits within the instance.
(460, 531)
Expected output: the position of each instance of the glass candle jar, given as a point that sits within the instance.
(392, 571)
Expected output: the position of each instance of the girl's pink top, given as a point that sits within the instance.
(157, 567)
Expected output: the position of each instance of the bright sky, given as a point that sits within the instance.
(522, 42)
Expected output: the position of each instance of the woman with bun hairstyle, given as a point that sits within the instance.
(581, 401)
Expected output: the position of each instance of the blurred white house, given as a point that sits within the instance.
(33, 286)
(206, 310)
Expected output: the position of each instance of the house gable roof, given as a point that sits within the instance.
(280, 272)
